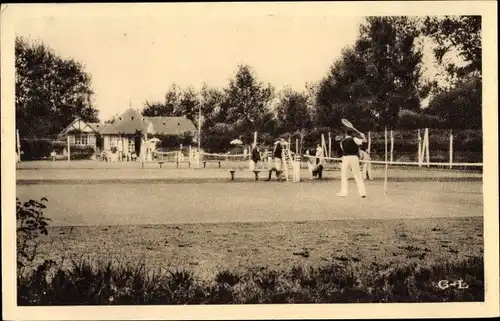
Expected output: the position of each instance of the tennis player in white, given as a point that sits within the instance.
(350, 159)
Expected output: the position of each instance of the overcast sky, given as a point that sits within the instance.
(139, 56)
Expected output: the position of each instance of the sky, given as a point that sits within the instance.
(136, 57)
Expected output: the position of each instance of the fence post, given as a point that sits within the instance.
(386, 164)
(69, 151)
(427, 156)
(329, 144)
(392, 146)
(419, 149)
(296, 169)
(18, 145)
(369, 142)
(451, 148)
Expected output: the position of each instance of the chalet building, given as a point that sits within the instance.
(81, 134)
(130, 136)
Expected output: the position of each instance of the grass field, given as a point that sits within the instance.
(207, 225)
(208, 248)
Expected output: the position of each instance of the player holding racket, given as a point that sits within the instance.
(350, 159)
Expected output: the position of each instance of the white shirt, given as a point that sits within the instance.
(364, 155)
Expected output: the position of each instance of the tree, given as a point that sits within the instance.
(210, 104)
(460, 106)
(188, 104)
(246, 101)
(292, 111)
(374, 78)
(50, 91)
(459, 33)
(170, 107)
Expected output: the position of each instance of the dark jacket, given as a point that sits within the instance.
(349, 147)
(278, 151)
(255, 155)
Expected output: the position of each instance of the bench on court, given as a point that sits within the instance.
(156, 162)
(213, 161)
(256, 173)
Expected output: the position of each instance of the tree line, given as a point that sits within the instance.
(377, 82)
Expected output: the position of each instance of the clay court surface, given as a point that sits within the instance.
(199, 219)
(131, 195)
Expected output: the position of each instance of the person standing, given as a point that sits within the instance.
(255, 157)
(350, 160)
(277, 157)
(311, 161)
(367, 166)
(319, 161)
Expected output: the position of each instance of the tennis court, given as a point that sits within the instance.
(132, 195)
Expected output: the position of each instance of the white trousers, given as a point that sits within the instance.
(351, 162)
(367, 171)
(278, 164)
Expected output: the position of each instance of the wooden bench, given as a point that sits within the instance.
(256, 173)
(156, 162)
(213, 161)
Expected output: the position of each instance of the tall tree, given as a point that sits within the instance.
(292, 111)
(50, 91)
(376, 77)
(211, 100)
(188, 104)
(456, 33)
(460, 104)
(246, 101)
(170, 107)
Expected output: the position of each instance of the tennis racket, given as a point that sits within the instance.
(349, 125)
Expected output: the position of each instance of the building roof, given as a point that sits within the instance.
(127, 123)
(171, 125)
(80, 126)
(97, 127)
(132, 121)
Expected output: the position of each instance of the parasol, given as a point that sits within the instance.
(236, 142)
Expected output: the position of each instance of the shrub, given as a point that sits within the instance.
(81, 152)
(35, 149)
(104, 283)
(31, 224)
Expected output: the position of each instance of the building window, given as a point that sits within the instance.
(81, 140)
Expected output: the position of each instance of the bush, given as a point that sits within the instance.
(174, 141)
(105, 283)
(81, 152)
(31, 224)
(35, 149)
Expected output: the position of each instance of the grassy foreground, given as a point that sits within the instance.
(103, 283)
(281, 262)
